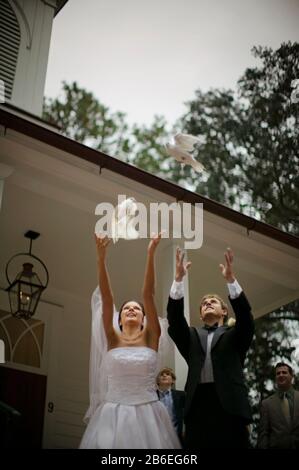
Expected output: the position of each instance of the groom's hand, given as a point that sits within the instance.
(227, 268)
(181, 267)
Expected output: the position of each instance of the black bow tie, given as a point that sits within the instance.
(211, 328)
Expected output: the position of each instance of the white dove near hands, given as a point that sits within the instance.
(183, 144)
(121, 226)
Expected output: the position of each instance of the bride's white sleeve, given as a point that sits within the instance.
(98, 349)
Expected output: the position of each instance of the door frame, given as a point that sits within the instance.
(51, 315)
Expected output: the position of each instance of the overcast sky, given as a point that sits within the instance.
(147, 57)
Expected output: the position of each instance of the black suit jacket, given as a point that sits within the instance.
(178, 398)
(228, 351)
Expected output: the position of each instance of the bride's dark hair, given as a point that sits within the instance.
(121, 308)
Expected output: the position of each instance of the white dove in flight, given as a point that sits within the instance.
(121, 223)
(183, 144)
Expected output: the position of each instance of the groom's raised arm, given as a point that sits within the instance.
(244, 326)
(178, 327)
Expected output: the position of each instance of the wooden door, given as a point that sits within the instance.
(25, 393)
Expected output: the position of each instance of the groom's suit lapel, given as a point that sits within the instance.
(217, 335)
(203, 334)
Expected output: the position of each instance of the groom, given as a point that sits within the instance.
(217, 410)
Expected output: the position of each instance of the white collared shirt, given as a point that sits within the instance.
(177, 289)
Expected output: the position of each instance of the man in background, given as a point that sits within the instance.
(279, 422)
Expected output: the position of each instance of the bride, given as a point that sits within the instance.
(124, 410)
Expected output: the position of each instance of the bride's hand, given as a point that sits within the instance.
(155, 240)
(101, 243)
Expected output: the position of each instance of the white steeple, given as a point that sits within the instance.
(25, 33)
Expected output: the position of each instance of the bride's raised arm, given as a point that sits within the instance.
(105, 287)
(148, 293)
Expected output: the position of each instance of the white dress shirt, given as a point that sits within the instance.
(177, 290)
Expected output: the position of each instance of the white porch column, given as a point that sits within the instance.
(5, 171)
(166, 275)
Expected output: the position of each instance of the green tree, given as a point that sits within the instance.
(252, 139)
(216, 116)
(148, 152)
(83, 118)
(272, 120)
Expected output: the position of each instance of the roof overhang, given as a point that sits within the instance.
(59, 5)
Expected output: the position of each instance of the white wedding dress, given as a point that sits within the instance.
(124, 411)
(131, 417)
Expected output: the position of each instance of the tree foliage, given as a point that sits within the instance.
(252, 139)
(83, 118)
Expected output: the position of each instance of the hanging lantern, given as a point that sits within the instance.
(25, 290)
